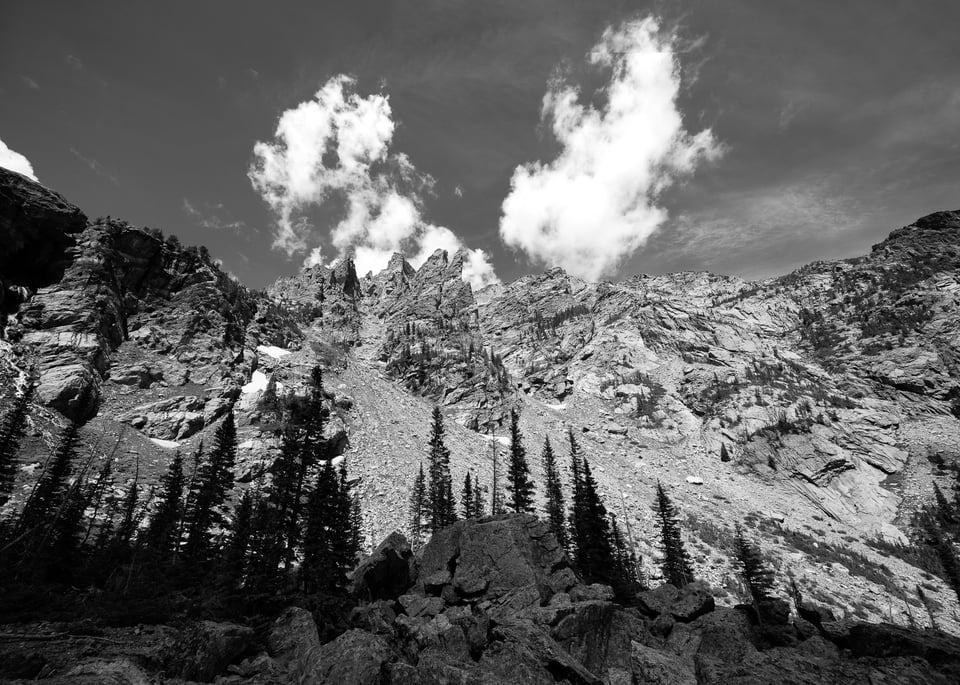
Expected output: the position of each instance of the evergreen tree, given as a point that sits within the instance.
(577, 514)
(440, 505)
(595, 555)
(676, 564)
(12, 430)
(214, 481)
(757, 576)
(161, 535)
(626, 575)
(519, 484)
(418, 508)
(318, 569)
(945, 552)
(51, 489)
(467, 498)
(235, 554)
(555, 511)
(724, 454)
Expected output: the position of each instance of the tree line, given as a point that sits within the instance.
(579, 518)
(195, 535)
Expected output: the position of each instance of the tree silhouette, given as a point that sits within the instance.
(12, 430)
(757, 576)
(555, 509)
(418, 507)
(440, 505)
(676, 564)
(519, 484)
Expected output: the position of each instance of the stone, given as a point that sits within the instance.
(388, 572)
(587, 593)
(208, 647)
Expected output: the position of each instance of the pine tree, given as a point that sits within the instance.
(577, 530)
(519, 484)
(467, 498)
(318, 569)
(161, 535)
(235, 554)
(626, 576)
(676, 564)
(757, 576)
(724, 454)
(440, 505)
(479, 492)
(418, 508)
(12, 430)
(214, 483)
(555, 511)
(595, 555)
(496, 497)
(945, 552)
(51, 490)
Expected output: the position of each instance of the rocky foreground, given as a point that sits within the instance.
(493, 601)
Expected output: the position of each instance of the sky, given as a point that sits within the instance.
(607, 137)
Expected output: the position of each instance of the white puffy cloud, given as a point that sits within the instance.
(14, 161)
(336, 147)
(597, 202)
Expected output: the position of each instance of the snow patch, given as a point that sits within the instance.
(502, 439)
(166, 444)
(258, 383)
(695, 480)
(556, 407)
(272, 351)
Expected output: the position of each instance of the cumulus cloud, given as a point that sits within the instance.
(598, 201)
(335, 148)
(14, 161)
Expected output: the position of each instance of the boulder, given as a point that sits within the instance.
(293, 642)
(483, 559)
(388, 572)
(207, 648)
(356, 657)
(684, 605)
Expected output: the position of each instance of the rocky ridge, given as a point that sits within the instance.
(830, 389)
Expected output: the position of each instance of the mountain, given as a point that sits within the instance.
(817, 409)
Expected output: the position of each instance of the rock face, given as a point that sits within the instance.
(37, 228)
(813, 407)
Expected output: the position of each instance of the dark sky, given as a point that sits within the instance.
(838, 121)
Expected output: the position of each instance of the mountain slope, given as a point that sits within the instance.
(832, 391)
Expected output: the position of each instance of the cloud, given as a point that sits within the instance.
(95, 166)
(14, 161)
(29, 82)
(334, 150)
(597, 202)
(74, 62)
(209, 217)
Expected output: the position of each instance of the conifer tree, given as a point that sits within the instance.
(440, 505)
(235, 554)
(318, 569)
(519, 485)
(214, 482)
(555, 511)
(51, 490)
(724, 454)
(676, 564)
(595, 555)
(418, 508)
(467, 498)
(161, 535)
(626, 575)
(11, 433)
(945, 552)
(577, 530)
(757, 576)
(479, 496)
